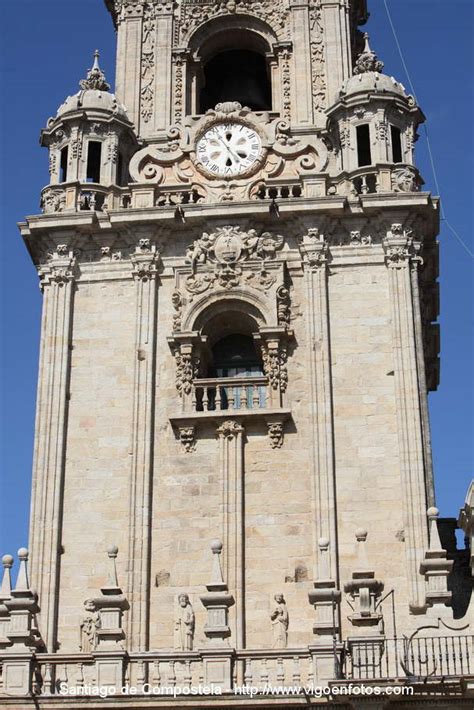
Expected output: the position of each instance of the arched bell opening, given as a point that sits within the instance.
(232, 63)
(236, 75)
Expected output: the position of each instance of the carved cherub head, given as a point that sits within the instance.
(183, 600)
(89, 605)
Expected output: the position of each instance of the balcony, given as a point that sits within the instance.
(236, 394)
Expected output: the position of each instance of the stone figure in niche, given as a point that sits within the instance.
(184, 625)
(88, 628)
(280, 620)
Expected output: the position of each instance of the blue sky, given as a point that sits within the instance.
(47, 47)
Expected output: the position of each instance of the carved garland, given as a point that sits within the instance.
(194, 13)
(148, 65)
(318, 71)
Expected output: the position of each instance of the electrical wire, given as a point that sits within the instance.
(428, 143)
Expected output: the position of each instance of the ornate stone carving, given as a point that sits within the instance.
(280, 621)
(367, 60)
(359, 239)
(88, 628)
(405, 179)
(147, 65)
(187, 369)
(178, 303)
(283, 51)
(95, 77)
(314, 249)
(187, 436)
(226, 249)
(60, 268)
(274, 357)
(229, 429)
(228, 245)
(276, 434)
(175, 170)
(179, 60)
(283, 306)
(318, 69)
(184, 625)
(53, 200)
(399, 247)
(145, 260)
(195, 13)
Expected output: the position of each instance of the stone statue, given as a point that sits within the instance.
(184, 625)
(280, 620)
(88, 628)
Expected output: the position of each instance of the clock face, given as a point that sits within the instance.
(229, 149)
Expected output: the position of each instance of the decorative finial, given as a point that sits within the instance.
(435, 542)
(6, 588)
(216, 577)
(367, 59)
(112, 552)
(22, 583)
(95, 77)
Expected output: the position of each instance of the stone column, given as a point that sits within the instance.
(315, 255)
(129, 59)
(57, 284)
(231, 445)
(400, 258)
(336, 22)
(302, 113)
(145, 265)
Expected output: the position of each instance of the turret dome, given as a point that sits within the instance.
(368, 76)
(94, 95)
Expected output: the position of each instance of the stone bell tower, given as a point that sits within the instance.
(238, 265)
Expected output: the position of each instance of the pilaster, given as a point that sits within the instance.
(57, 284)
(302, 113)
(231, 445)
(336, 22)
(145, 263)
(401, 259)
(163, 69)
(315, 259)
(129, 59)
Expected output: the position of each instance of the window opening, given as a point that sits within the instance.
(363, 145)
(63, 164)
(396, 144)
(94, 151)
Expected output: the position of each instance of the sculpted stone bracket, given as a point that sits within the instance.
(186, 426)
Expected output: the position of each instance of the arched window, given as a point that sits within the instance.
(236, 75)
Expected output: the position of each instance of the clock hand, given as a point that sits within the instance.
(229, 150)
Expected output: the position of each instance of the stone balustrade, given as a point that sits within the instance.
(373, 179)
(356, 660)
(225, 393)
